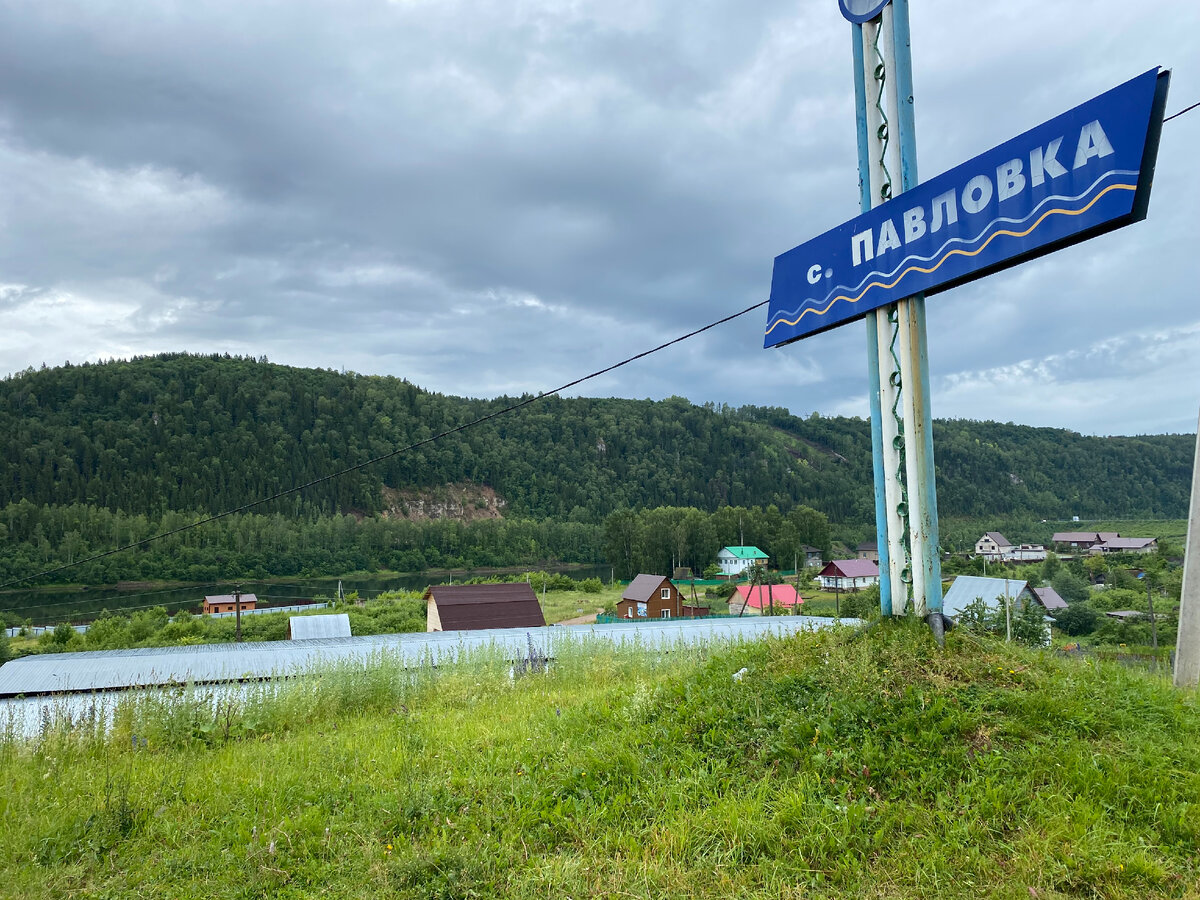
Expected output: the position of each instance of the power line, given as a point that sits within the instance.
(457, 429)
(370, 462)
(1181, 112)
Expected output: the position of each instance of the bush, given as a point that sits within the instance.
(591, 585)
(1077, 619)
(862, 604)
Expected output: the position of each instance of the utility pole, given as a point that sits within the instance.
(237, 607)
(1153, 623)
(1007, 613)
(1187, 643)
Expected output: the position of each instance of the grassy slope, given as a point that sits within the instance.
(837, 767)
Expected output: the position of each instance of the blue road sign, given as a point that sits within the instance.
(1078, 175)
(859, 11)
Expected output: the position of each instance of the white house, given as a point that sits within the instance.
(992, 545)
(736, 560)
(849, 575)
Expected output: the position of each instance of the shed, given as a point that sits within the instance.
(468, 607)
(655, 597)
(307, 628)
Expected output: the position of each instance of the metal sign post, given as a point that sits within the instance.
(901, 421)
(1081, 174)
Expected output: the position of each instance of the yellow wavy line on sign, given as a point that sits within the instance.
(955, 252)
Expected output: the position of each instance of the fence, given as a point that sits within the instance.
(35, 630)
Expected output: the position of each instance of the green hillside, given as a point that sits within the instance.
(197, 433)
(837, 766)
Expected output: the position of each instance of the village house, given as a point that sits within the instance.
(1049, 599)
(867, 550)
(996, 593)
(655, 597)
(470, 607)
(736, 560)
(753, 599)
(992, 545)
(849, 575)
(812, 557)
(1082, 540)
(219, 603)
(1125, 545)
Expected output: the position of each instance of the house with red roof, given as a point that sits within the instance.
(753, 599)
(849, 575)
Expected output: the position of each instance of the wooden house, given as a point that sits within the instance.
(655, 597)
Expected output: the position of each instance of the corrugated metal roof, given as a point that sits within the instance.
(762, 596)
(851, 568)
(468, 607)
(968, 588)
(210, 663)
(643, 588)
(1050, 598)
(998, 539)
(308, 628)
(745, 552)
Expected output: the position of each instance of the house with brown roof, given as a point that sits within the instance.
(1083, 540)
(655, 597)
(471, 607)
(992, 545)
(849, 574)
(220, 603)
(1049, 599)
(1126, 545)
(867, 550)
(753, 599)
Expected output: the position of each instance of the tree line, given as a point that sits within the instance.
(659, 540)
(203, 434)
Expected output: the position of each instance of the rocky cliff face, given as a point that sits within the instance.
(464, 501)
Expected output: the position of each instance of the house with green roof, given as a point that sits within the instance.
(736, 560)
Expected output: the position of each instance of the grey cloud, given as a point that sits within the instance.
(497, 197)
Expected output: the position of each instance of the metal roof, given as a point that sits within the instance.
(210, 663)
(307, 628)
(763, 596)
(463, 607)
(1050, 598)
(744, 552)
(644, 587)
(998, 539)
(968, 588)
(851, 568)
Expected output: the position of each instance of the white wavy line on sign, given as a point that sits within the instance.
(1002, 220)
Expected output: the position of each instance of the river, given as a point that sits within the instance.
(78, 605)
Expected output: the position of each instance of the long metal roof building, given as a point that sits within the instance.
(102, 670)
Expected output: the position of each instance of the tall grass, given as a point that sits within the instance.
(837, 764)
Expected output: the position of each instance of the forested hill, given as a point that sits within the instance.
(206, 433)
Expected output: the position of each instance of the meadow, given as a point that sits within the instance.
(841, 764)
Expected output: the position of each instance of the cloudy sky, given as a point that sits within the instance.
(497, 197)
